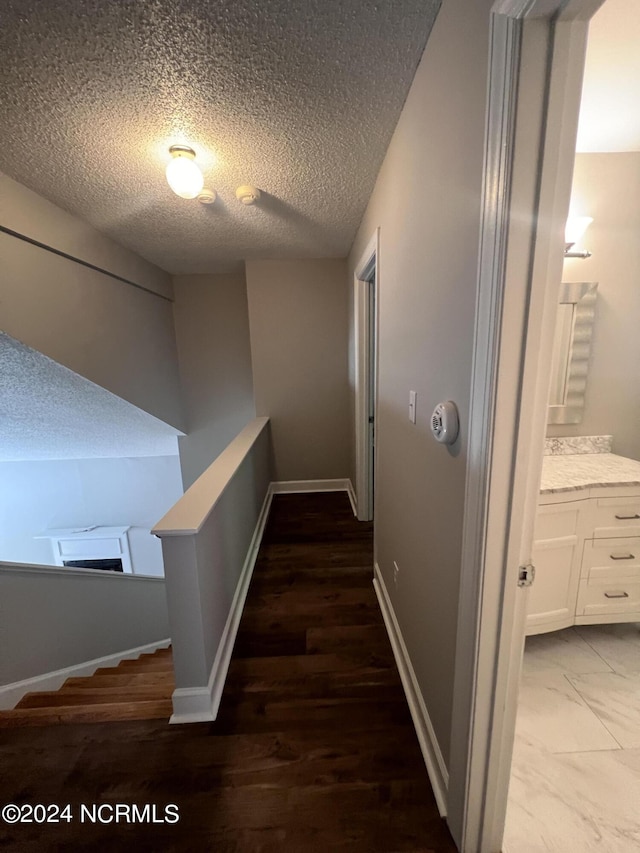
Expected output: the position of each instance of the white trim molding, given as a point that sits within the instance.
(292, 487)
(11, 694)
(431, 752)
(369, 261)
(201, 704)
(505, 52)
(189, 514)
(352, 498)
(536, 57)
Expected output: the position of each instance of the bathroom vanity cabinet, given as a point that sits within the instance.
(587, 549)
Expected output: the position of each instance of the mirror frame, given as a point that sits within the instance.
(582, 295)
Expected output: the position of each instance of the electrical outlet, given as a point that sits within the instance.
(396, 572)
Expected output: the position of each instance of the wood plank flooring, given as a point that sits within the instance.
(313, 748)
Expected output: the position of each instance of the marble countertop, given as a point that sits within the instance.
(566, 473)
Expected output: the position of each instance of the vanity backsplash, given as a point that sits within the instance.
(578, 444)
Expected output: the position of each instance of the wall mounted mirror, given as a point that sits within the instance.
(571, 350)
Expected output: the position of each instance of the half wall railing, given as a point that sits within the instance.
(210, 539)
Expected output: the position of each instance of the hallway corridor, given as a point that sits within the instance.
(313, 748)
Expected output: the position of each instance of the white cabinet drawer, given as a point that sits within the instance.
(616, 517)
(599, 597)
(611, 558)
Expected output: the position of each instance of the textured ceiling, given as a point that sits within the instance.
(299, 97)
(610, 107)
(49, 412)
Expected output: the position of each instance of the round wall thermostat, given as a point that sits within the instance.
(445, 422)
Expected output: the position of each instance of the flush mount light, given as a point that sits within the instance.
(183, 174)
(248, 194)
(574, 229)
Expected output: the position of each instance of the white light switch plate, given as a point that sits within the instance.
(412, 406)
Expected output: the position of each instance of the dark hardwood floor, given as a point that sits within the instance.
(313, 748)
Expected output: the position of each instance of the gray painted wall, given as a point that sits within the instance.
(28, 213)
(212, 331)
(607, 187)
(427, 204)
(74, 616)
(113, 334)
(298, 312)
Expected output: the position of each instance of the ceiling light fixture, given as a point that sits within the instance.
(248, 194)
(183, 173)
(574, 229)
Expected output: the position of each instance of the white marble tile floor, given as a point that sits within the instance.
(617, 645)
(553, 716)
(563, 653)
(575, 777)
(615, 699)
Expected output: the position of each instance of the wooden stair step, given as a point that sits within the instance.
(148, 658)
(120, 679)
(131, 670)
(159, 654)
(146, 665)
(144, 710)
(101, 696)
(115, 670)
(136, 689)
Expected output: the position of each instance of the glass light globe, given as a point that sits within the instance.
(184, 177)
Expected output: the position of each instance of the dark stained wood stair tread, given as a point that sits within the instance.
(119, 679)
(91, 696)
(106, 712)
(142, 691)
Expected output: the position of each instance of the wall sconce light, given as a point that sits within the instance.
(574, 229)
(183, 173)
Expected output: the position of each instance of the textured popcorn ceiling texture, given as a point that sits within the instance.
(299, 97)
(49, 412)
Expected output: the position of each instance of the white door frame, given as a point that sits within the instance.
(369, 261)
(536, 65)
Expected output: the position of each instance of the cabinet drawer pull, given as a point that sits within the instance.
(627, 517)
(622, 556)
(616, 595)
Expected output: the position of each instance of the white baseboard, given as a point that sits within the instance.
(201, 704)
(291, 487)
(431, 752)
(352, 497)
(11, 694)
